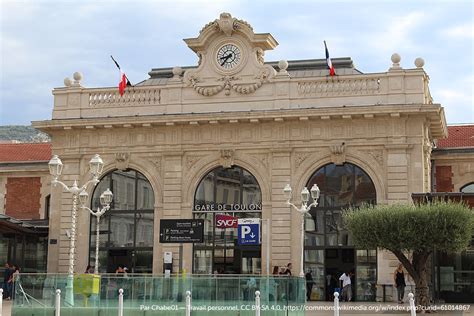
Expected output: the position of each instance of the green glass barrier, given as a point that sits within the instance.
(146, 294)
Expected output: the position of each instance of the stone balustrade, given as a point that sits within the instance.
(397, 87)
(133, 96)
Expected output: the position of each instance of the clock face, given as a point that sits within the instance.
(228, 56)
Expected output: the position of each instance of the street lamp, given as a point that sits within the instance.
(55, 169)
(105, 200)
(303, 210)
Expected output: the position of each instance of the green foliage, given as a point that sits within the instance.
(22, 134)
(442, 225)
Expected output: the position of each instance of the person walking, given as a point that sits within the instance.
(89, 269)
(6, 277)
(345, 278)
(287, 270)
(399, 280)
(309, 285)
(14, 275)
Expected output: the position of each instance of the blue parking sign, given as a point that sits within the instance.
(248, 231)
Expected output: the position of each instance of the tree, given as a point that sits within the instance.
(415, 229)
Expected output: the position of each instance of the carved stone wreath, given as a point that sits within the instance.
(227, 83)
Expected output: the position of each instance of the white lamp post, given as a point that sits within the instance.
(303, 210)
(55, 169)
(105, 200)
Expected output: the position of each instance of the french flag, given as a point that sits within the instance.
(124, 82)
(332, 72)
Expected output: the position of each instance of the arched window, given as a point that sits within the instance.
(468, 188)
(222, 197)
(126, 230)
(329, 250)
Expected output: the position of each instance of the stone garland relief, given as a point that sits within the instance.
(227, 83)
(244, 83)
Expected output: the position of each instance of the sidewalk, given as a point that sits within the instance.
(376, 308)
(352, 308)
(7, 308)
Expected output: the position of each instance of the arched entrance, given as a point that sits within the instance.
(329, 250)
(222, 197)
(126, 230)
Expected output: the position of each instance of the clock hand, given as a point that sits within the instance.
(227, 57)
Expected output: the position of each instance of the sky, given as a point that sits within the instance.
(44, 41)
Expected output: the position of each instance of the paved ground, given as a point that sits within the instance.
(392, 309)
(7, 306)
(326, 309)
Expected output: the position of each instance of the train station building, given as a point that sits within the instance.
(219, 140)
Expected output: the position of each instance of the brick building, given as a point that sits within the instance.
(24, 203)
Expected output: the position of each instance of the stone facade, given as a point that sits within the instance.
(280, 123)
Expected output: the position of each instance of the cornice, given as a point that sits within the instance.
(277, 115)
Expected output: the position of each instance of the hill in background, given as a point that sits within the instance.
(22, 134)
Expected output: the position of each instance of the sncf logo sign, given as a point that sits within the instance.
(226, 221)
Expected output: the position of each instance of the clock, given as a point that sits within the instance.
(228, 56)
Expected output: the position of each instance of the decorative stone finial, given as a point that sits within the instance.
(226, 23)
(77, 79)
(396, 60)
(283, 65)
(67, 82)
(419, 62)
(77, 76)
(177, 71)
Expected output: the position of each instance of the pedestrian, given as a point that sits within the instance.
(121, 271)
(121, 274)
(287, 270)
(6, 277)
(274, 283)
(331, 286)
(276, 270)
(14, 275)
(345, 278)
(399, 281)
(309, 284)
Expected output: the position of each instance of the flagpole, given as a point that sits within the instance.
(118, 66)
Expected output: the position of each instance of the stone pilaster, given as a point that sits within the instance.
(282, 250)
(172, 198)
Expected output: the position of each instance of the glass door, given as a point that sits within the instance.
(366, 275)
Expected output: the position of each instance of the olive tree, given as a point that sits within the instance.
(412, 229)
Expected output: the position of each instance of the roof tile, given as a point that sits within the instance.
(25, 152)
(459, 136)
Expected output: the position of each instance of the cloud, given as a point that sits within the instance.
(457, 98)
(43, 41)
(464, 31)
